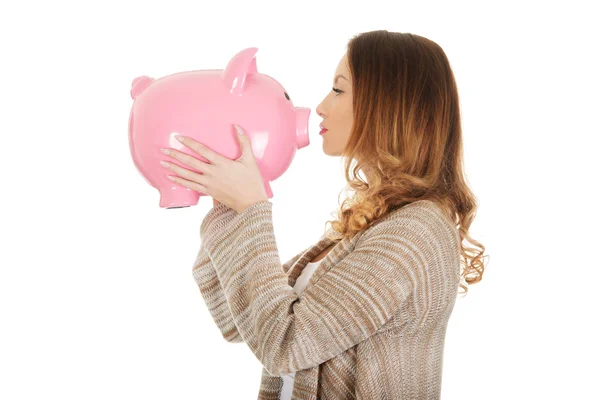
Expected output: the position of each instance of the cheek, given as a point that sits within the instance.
(348, 111)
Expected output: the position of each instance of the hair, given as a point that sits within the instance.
(406, 139)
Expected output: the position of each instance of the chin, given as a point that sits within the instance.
(329, 152)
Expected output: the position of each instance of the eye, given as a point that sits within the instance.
(338, 91)
(286, 95)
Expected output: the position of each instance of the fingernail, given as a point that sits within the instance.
(239, 130)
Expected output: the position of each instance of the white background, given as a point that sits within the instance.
(97, 299)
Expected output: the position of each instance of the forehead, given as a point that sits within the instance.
(342, 69)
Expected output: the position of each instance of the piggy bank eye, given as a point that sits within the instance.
(286, 95)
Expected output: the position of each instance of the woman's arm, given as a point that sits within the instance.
(347, 305)
(208, 282)
(205, 275)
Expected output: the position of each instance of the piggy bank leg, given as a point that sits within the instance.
(173, 196)
(268, 188)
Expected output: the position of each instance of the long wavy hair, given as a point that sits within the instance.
(406, 139)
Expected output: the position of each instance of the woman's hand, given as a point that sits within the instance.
(235, 183)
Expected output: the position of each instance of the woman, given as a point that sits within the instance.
(370, 321)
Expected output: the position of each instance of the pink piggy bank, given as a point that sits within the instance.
(204, 105)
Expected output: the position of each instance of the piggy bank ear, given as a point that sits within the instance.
(239, 67)
(139, 84)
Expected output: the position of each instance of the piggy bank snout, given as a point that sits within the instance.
(302, 114)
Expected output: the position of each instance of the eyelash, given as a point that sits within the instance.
(338, 91)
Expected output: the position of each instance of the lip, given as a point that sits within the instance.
(322, 131)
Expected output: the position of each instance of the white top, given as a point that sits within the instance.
(288, 380)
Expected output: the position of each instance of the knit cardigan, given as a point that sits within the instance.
(372, 319)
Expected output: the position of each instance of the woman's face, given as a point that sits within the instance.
(336, 111)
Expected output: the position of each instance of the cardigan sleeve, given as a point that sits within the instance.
(206, 278)
(210, 287)
(347, 305)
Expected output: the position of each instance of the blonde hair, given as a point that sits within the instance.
(406, 139)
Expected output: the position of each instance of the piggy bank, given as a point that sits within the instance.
(205, 105)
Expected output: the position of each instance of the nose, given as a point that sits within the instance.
(319, 110)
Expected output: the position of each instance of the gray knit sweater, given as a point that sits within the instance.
(372, 319)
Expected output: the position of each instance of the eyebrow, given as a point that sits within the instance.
(339, 76)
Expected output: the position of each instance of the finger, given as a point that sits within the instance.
(190, 161)
(201, 149)
(193, 176)
(190, 184)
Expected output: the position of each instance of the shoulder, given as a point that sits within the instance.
(427, 210)
(423, 220)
